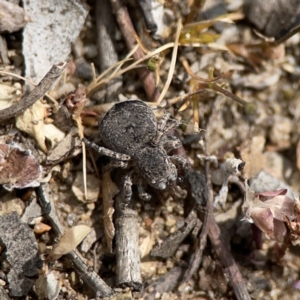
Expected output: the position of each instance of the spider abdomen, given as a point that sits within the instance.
(128, 126)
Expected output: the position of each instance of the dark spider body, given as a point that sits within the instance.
(128, 126)
(129, 131)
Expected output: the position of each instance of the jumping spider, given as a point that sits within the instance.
(132, 136)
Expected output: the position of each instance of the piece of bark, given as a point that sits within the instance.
(127, 243)
(38, 92)
(164, 284)
(92, 279)
(169, 246)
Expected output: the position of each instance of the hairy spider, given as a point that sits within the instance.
(131, 135)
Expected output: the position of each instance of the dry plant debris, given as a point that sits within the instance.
(69, 241)
(226, 91)
(19, 168)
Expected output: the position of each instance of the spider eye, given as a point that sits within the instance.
(180, 179)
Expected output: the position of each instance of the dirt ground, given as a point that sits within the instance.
(225, 225)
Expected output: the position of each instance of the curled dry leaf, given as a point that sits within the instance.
(18, 168)
(269, 212)
(69, 241)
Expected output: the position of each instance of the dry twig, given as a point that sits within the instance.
(197, 256)
(235, 277)
(91, 278)
(129, 34)
(38, 92)
(127, 241)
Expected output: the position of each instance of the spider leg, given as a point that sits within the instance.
(116, 164)
(181, 163)
(127, 187)
(164, 125)
(171, 143)
(106, 152)
(141, 191)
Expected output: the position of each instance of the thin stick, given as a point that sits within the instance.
(37, 93)
(31, 82)
(286, 37)
(211, 85)
(91, 278)
(235, 277)
(197, 256)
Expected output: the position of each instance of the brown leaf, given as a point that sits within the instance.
(18, 168)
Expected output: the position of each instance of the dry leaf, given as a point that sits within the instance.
(93, 187)
(269, 211)
(32, 122)
(109, 191)
(18, 168)
(8, 94)
(69, 146)
(146, 242)
(251, 152)
(69, 241)
(53, 134)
